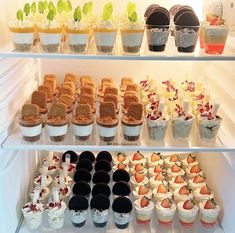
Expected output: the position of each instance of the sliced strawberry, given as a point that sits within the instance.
(210, 204)
(188, 205)
(139, 177)
(143, 190)
(162, 189)
(121, 166)
(175, 168)
(195, 169)
(179, 180)
(198, 179)
(155, 157)
(139, 167)
(144, 202)
(121, 157)
(158, 169)
(205, 190)
(190, 159)
(159, 176)
(184, 191)
(137, 156)
(166, 203)
(174, 158)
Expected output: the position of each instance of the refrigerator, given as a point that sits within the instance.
(22, 72)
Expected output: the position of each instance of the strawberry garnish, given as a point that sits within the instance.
(190, 159)
(139, 167)
(179, 180)
(155, 157)
(198, 179)
(143, 190)
(188, 205)
(139, 177)
(51, 205)
(33, 207)
(137, 156)
(166, 203)
(195, 169)
(144, 202)
(158, 169)
(184, 191)
(162, 189)
(210, 204)
(159, 176)
(205, 190)
(121, 157)
(121, 166)
(174, 158)
(175, 168)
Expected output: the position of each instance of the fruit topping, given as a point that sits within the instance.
(139, 167)
(121, 166)
(155, 157)
(159, 176)
(137, 156)
(158, 169)
(162, 189)
(143, 190)
(190, 159)
(174, 158)
(198, 179)
(121, 157)
(175, 168)
(188, 205)
(139, 177)
(184, 191)
(166, 203)
(179, 180)
(144, 202)
(205, 190)
(210, 204)
(195, 169)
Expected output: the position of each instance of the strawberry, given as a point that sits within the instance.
(198, 179)
(174, 158)
(210, 17)
(210, 204)
(179, 180)
(121, 157)
(175, 168)
(33, 207)
(166, 203)
(143, 190)
(184, 191)
(190, 159)
(158, 169)
(121, 166)
(205, 190)
(195, 169)
(139, 167)
(144, 202)
(137, 156)
(155, 157)
(51, 205)
(58, 204)
(162, 189)
(139, 177)
(188, 205)
(217, 22)
(159, 176)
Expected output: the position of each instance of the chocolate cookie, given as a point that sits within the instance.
(73, 156)
(121, 175)
(182, 10)
(104, 155)
(85, 163)
(101, 177)
(82, 188)
(187, 19)
(149, 9)
(82, 175)
(101, 188)
(103, 165)
(160, 16)
(121, 188)
(87, 155)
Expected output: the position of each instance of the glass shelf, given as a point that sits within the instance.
(170, 54)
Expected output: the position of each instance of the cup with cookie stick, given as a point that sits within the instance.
(40, 99)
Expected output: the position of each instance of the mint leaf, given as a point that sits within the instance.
(131, 8)
(60, 6)
(33, 7)
(27, 9)
(45, 5)
(133, 17)
(51, 7)
(41, 7)
(67, 6)
(51, 15)
(87, 8)
(77, 14)
(107, 11)
(20, 15)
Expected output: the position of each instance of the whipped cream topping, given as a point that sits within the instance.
(196, 185)
(133, 171)
(145, 210)
(153, 164)
(142, 161)
(51, 169)
(55, 209)
(192, 174)
(32, 208)
(155, 183)
(20, 24)
(44, 193)
(183, 197)
(145, 181)
(170, 163)
(170, 173)
(37, 180)
(187, 213)
(202, 196)
(213, 213)
(174, 185)
(161, 196)
(185, 162)
(137, 195)
(68, 181)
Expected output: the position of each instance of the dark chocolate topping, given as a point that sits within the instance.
(101, 188)
(121, 175)
(101, 177)
(181, 11)
(104, 155)
(87, 155)
(121, 188)
(85, 163)
(100, 202)
(158, 17)
(187, 19)
(78, 203)
(73, 156)
(82, 174)
(122, 205)
(81, 188)
(103, 165)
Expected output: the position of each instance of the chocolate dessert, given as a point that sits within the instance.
(49, 92)
(71, 77)
(111, 91)
(125, 81)
(68, 101)
(150, 9)
(84, 80)
(111, 98)
(88, 99)
(128, 100)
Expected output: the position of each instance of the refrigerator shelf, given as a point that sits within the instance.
(170, 53)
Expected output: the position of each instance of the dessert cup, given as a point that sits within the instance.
(100, 218)
(186, 38)
(157, 36)
(135, 184)
(43, 196)
(165, 215)
(78, 218)
(181, 197)
(107, 131)
(121, 220)
(199, 197)
(158, 197)
(131, 130)
(58, 131)
(208, 129)
(215, 38)
(31, 131)
(83, 131)
(105, 39)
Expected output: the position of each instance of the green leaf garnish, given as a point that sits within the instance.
(133, 17)
(20, 15)
(131, 11)
(87, 8)
(67, 5)
(60, 6)
(77, 14)
(51, 7)
(41, 7)
(51, 15)
(33, 7)
(107, 11)
(27, 9)
(45, 4)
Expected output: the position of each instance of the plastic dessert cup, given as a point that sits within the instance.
(57, 132)
(143, 215)
(186, 38)
(105, 39)
(208, 217)
(208, 129)
(121, 220)
(82, 132)
(157, 36)
(78, 39)
(22, 38)
(100, 218)
(181, 128)
(31, 132)
(78, 218)
(157, 129)
(50, 39)
(215, 38)
(131, 132)
(107, 132)
(132, 40)
(165, 216)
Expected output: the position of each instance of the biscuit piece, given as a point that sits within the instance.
(30, 110)
(71, 77)
(132, 87)
(69, 84)
(126, 93)
(87, 90)
(84, 80)
(66, 90)
(50, 77)
(50, 82)
(111, 90)
(107, 109)
(111, 98)
(106, 80)
(48, 90)
(128, 99)
(57, 110)
(83, 110)
(87, 99)
(135, 111)
(125, 81)
(90, 84)
(67, 100)
(39, 98)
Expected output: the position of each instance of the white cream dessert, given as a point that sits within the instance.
(43, 194)
(67, 179)
(202, 194)
(193, 171)
(166, 210)
(155, 159)
(52, 159)
(175, 170)
(187, 212)
(71, 168)
(156, 180)
(209, 211)
(161, 192)
(38, 180)
(177, 182)
(197, 181)
(50, 169)
(142, 191)
(64, 193)
(139, 179)
(189, 161)
(143, 210)
(182, 194)
(137, 158)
